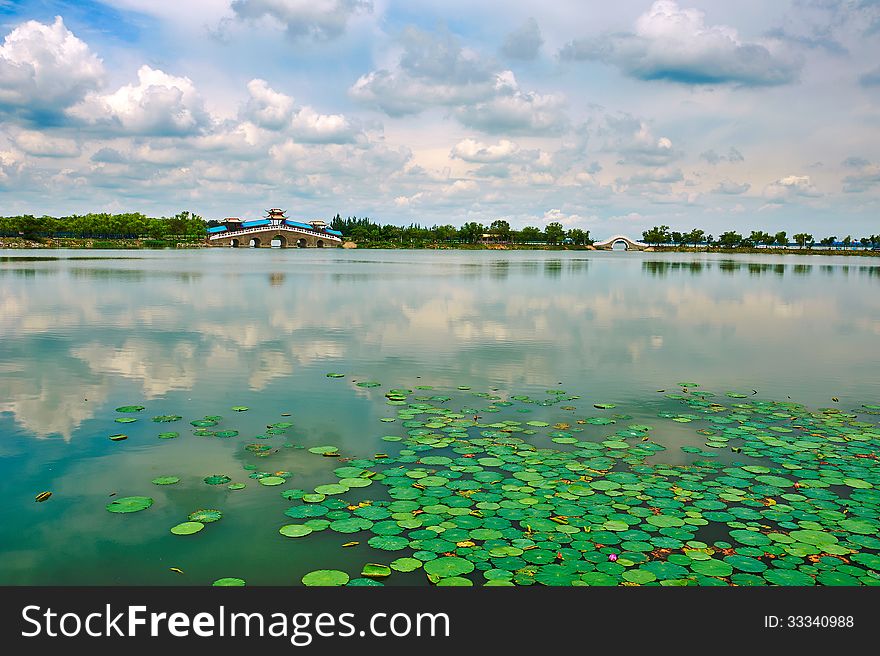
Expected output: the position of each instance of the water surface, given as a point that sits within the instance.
(196, 332)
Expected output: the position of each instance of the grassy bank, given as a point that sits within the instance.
(76, 242)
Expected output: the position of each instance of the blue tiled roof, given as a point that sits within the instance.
(297, 224)
(217, 229)
(334, 232)
(255, 224)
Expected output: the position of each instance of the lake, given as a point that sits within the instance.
(658, 338)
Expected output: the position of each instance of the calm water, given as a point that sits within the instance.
(196, 332)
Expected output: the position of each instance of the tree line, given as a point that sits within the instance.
(366, 231)
(662, 235)
(131, 225)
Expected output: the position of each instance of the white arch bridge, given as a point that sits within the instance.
(630, 244)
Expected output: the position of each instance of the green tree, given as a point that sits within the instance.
(781, 238)
(730, 239)
(694, 237)
(802, 239)
(579, 237)
(501, 229)
(471, 232)
(657, 235)
(530, 234)
(554, 233)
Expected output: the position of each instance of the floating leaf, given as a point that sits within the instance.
(129, 504)
(130, 408)
(295, 530)
(217, 479)
(376, 571)
(187, 528)
(228, 582)
(325, 577)
(205, 516)
(165, 480)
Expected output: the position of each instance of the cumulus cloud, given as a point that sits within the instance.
(159, 104)
(45, 68)
(434, 70)
(556, 215)
(276, 111)
(634, 140)
(523, 43)
(266, 107)
(318, 19)
(789, 187)
(731, 188)
(473, 151)
(512, 110)
(675, 44)
(40, 144)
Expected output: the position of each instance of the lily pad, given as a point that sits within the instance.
(187, 528)
(325, 578)
(129, 504)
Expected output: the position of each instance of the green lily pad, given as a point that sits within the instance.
(447, 566)
(376, 571)
(166, 419)
(187, 528)
(217, 479)
(229, 582)
(325, 578)
(130, 408)
(295, 530)
(129, 504)
(165, 480)
(272, 480)
(206, 516)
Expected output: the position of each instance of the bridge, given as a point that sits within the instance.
(630, 244)
(275, 227)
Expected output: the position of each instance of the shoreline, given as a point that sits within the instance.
(153, 244)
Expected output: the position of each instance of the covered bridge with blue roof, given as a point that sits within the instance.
(274, 227)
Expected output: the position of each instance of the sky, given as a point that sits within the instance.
(609, 117)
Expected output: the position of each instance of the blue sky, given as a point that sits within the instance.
(607, 117)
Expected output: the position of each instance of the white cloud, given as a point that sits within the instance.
(789, 187)
(45, 68)
(470, 150)
(634, 140)
(266, 107)
(675, 44)
(310, 126)
(319, 19)
(512, 110)
(730, 187)
(40, 144)
(434, 70)
(556, 215)
(159, 104)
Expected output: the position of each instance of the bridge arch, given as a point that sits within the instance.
(319, 243)
(301, 243)
(255, 241)
(630, 244)
(234, 243)
(281, 239)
